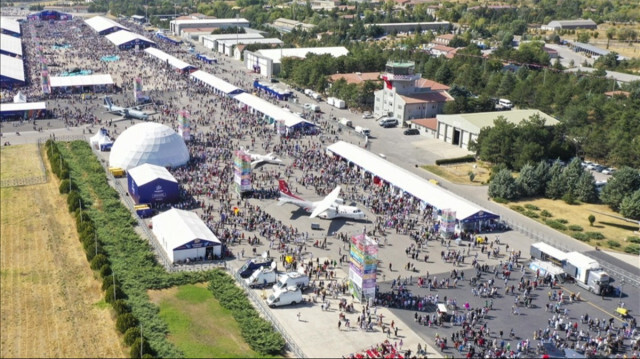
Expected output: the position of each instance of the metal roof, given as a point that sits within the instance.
(10, 25)
(269, 109)
(23, 106)
(231, 42)
(86, 80)
(277, 54)
(147, 172)
(474, 122)
(240, 21)
(177, 227)
(11, 44)
(218, 37)
(12, 67)
(122, 37)
(99, 23)
(214, 81)
(579, 22)
(173, 61)
(409, 182)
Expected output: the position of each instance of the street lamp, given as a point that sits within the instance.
(620, 298)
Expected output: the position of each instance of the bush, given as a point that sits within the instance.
(556, 225)
(131, 335)
(64, 186)
(105, 270)
(73, 201)
(634, 239)
(531, 207)
(108, 282)
(110, 296)
(517, 208)
(568, 198)
(575, 228)
(562, 220)
(500, 200)
(120, 307)
(531, 214)
(98, 261)
(135, 348)
(595, 235)
(580, 236)
(448, 161)
(126, 321)
(632, 248)
(545, 213)
(613, 244)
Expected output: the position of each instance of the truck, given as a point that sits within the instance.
(346, 122)
(262, 277)
(587, 273)
(338, 103)
(363, 131)
(291, 279)
(252, 265)
(285, 296)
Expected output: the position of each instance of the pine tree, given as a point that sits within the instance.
(630, 206)
(556, 187)
(543, 175)
(503, 186)
(585, 190)
(527, 182)
(571, 175)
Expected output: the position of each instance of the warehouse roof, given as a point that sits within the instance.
(11, 44)
(410, 182)
(100, 23)
(122, 37)
(12, 67)
(240, 21)
(277, 54)
(147, 172)
(579, 22)
(10, 24)
(474, 122)
(86, 80)
(215, 82)
(231, 42)
(218, 37)
(163, 56)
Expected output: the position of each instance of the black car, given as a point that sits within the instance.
(411, 131)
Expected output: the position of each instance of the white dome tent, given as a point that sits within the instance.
(148, 142)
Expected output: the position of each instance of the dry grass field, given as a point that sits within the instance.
(50, 301)
(459, 172)
(23, 160)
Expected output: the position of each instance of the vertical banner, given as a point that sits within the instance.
(242, 171)
(46, 84)
(184, 129)
(281, 128)
(138, 93)
(363, 267)
(447, 223)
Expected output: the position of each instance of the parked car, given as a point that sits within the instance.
(412, 131)
(388, 122)
(608, 171)
(367, 115)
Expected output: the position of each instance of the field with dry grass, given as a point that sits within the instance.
(612, 229)
(459, 172)
(20, 161)
(51, 303)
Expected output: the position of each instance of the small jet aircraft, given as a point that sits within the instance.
(257, 159)
(128, 112)
(328, 208)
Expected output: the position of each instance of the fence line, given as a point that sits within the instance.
(262, 308)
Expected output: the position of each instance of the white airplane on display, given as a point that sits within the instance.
(328, 208)
(125, 112)
(257, 159)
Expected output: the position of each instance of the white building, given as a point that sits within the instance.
(407, 96)
(211, 41)
(228, 46)
(183, 235)
(266, 62)
(178, 25)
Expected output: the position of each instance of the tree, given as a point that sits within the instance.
(583, 36)
(556, 187)
(624, 181)
(507, 84)
(591, 219)
(135, 348)
(471, 176)
(542, 175)
(444, 74)
(503, 186)
(585, 189)
(630, 206)
(131, 335)
(571, 174)
(126, 321)
(527, 182)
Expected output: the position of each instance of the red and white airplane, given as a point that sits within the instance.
(328, 208)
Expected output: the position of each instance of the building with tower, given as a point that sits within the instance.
(407, 96)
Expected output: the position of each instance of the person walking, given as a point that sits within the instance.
(299, 314)
(339, 324)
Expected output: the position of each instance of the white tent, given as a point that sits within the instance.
(215, 82)
(183, 235)
(270, 110)
(19, 98)
(101, 140)
(11, 44)
(100, 24)
(148, 142)
(172, 60)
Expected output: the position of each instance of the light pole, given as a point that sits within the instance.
(620, 298)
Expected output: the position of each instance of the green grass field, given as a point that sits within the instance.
(198, 325)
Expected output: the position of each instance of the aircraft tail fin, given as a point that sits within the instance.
(107, 101)
(284, 190)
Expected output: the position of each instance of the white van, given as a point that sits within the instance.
(504, 103)
(363, 131)
(346, 122)
(262, 277)
(292, 279)
(388, 122)
(291, 295)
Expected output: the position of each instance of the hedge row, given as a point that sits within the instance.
(258, 332)
(448, 161)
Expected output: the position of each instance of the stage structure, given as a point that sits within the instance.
(363, 266)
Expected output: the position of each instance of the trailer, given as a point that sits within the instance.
(339, 103)
(587, 272)
(547, 253)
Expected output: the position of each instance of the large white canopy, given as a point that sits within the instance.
(12, 67)
(183, 231)
(99, 24)
(121, 37)
(23, 106)
(11, 44)
(83, 80)
(409, 182)
(269, 109)
(147, 172)
(214, 81)
(163, 56)
(7, 23)
(148, 142)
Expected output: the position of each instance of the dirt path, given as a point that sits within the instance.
(50, 301)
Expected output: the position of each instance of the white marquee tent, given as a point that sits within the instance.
(11, 44)
(270, 110)
(148, 142)
(215, 82)
(183, 235)
(172, 60)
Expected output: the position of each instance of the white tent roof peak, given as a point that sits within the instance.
(147, 172)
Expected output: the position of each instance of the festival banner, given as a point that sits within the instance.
(184, 129)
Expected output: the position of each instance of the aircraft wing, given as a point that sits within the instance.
(326, 203)
(253, 163)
